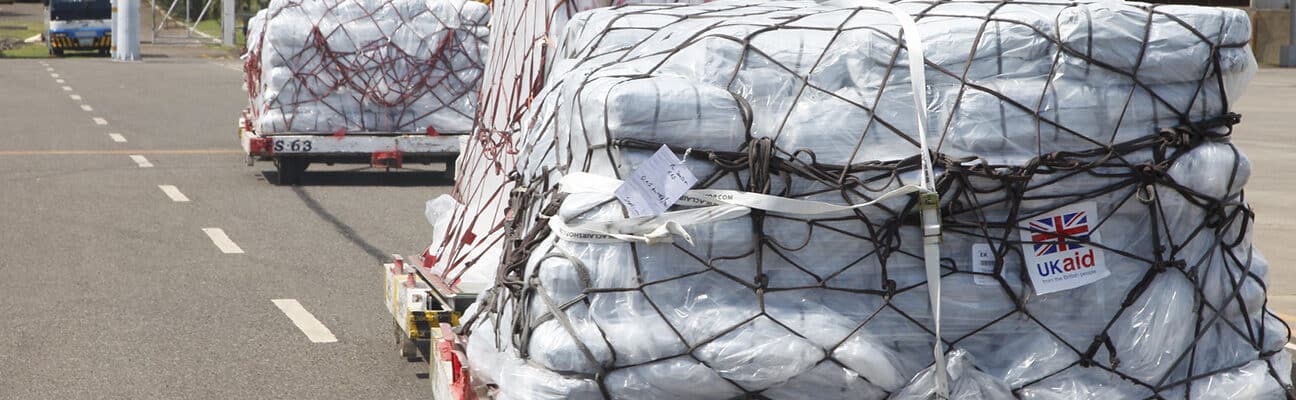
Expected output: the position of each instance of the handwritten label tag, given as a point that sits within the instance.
(983, 262)
(1057, 249)
(656, 185)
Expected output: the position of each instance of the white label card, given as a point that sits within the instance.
(1057, 250)
(983, 262)
(656, 185)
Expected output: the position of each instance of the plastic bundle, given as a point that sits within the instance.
(1068, 138)
(514, 75)
(366, 65)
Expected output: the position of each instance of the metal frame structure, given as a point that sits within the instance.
(189, 23)
(425, 312)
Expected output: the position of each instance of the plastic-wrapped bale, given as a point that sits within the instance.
(468, 251)
(366, 65)
(1096, 237)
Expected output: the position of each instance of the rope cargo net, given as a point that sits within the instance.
(469, 234)
(365, 66)
(1096, 238)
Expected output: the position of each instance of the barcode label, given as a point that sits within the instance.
(983, 262)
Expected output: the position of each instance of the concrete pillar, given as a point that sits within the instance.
(227, 22)
(127, 30)
(115, 36)
(1287, 56)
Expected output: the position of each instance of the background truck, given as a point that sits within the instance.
(78, 25)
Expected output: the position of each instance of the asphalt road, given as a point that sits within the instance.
(1268, 136)
(110, 289)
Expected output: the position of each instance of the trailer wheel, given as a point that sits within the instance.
(290, 170)
(424, 348)
(450, 167)
(103, 53)
(57, 52)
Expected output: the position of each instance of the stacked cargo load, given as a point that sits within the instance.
(466, 247)
(1096, 239)
(365, 65)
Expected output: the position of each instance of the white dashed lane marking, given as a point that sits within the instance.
(314, 330)
(222, 241)
(60, 81)
(86, 107)
(174, 193)
(67, 88)
(54, 75)
(143, 162)
(117, 137)
(100, 121)
(76, 97)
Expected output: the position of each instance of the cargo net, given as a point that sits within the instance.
(1096, 238)
(365, 66)
(466, 245)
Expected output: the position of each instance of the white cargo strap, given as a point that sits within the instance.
(929, 203)
(715, 205)
(649, 230)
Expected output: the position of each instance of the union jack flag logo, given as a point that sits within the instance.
(1060, 233)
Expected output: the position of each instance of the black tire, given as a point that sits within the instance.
(103, 52)
(450, 168)
(407, 348)
(290, 170)
(57, 52)
(424, 348)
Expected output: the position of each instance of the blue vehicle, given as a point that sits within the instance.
(78, 25)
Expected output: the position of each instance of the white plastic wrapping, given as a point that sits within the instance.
(367, 65)
(525, 33)
(836, 305)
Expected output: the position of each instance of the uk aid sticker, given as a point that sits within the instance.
(1058, 250)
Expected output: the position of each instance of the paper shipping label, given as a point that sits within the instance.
(656, 184)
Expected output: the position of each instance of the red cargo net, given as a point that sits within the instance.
(389, 65)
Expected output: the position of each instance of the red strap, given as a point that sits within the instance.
(429, 259)
(459, 379)
(445, 350)
(432, 131)
(340, 133)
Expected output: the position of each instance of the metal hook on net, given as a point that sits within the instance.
(1146, 193)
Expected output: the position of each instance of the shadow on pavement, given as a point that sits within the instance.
(367, 178)
(82, 54)
(342, 228)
